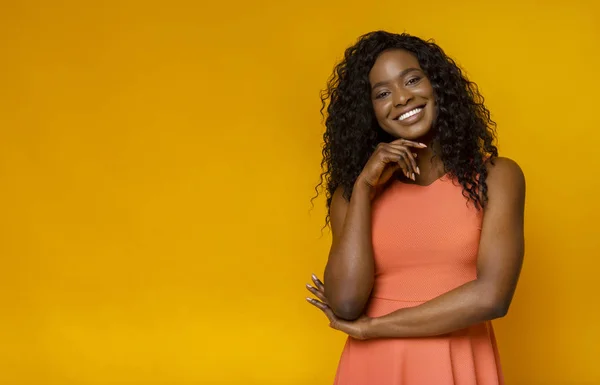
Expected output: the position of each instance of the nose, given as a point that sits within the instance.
(401, 97)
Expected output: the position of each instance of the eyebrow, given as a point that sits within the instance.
(404, 72)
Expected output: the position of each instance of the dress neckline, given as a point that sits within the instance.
(426, 185)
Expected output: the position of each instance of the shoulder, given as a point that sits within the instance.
(504, 169)
(505, 176)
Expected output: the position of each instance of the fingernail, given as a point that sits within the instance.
(314, 276)
(423, 144)
(413, 176)
(309, 299)
(308, 286)
(418, 171)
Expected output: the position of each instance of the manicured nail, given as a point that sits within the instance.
(309, 299)
(308, 286)
(413, 176)
(423, 144)
(418, 171)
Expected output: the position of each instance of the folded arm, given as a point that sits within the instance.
(499, 263)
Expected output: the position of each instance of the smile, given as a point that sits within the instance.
(410, 113)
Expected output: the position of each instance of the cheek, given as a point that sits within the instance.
(425, 91)
(381, 110)
(434, 110)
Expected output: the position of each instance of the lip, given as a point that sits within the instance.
(411, 119)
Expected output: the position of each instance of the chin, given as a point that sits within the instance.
(412, 132)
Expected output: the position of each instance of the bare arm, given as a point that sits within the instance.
(499, 263)
(350, 269)
(349, 273)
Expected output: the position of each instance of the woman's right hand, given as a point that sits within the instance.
(387, 159)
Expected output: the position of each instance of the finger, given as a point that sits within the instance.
(317, 293)
(318, 283)
(412, 160)
(407, 160)
(409, 143)
(326, 309)
(409, 157)
(396, 155)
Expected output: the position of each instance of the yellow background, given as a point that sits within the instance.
(156, 165)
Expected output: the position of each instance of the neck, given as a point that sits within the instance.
(430, 165)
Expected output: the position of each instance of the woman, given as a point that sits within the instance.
(426, 219)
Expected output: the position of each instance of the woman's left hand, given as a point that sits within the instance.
(357, 329)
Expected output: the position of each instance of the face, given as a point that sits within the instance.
(402, 96)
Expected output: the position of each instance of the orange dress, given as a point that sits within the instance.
(425, 243)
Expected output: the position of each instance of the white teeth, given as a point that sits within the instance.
(410, 113)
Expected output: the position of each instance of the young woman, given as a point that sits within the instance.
(426, 219)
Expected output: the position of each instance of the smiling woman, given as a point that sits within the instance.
(427, 220)
(394, 85)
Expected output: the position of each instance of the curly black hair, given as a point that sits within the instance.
(463, 127)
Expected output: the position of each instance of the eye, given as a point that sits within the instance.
(413, 81)
(382, 94)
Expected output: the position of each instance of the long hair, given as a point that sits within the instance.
(463, 127)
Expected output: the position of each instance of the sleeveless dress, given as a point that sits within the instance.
(425, 243)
